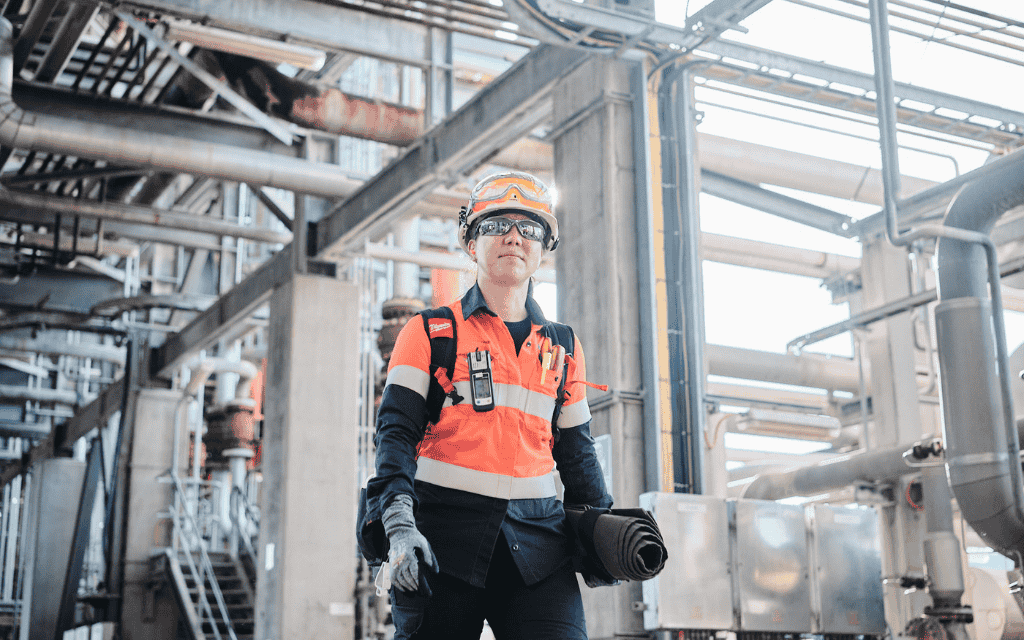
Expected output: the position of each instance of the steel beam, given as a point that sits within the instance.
(65, 40)
(218, 86)
(304, 21)
(502, 112)
(865, 81)
(756, 197)
(222, 315)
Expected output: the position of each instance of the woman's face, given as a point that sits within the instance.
(507, 260)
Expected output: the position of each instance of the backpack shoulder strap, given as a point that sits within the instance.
(560, 334)
(439, 325)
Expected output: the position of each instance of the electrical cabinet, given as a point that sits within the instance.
(764, 567)
(772, 572)
(847, 574)
(694, 590)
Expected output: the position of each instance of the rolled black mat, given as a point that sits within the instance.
(624, 544)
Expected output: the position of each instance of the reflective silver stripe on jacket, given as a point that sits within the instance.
(492, 485)
(513, 396)
(410, 377)
(573, 415)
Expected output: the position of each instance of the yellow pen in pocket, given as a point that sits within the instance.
(545, 359)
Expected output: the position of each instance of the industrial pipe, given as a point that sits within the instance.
(877, 465)
(941, 546)
(806, 370)
(59, 396)
(53, 346)
(136, 214)
(40, 132)
(775, 257)
(980, 433)
(206, 367)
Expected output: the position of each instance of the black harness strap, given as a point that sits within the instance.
(560, 334)
(443, 351)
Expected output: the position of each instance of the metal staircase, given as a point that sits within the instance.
(197, 599)
(215, 589)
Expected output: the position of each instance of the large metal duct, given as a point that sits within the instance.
(23, 130)
(983, 454)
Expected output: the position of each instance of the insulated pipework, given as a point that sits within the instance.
(941, 546)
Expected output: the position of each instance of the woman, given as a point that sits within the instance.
(472, 497)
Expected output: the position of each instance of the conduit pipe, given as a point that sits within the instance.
(20, 129)
(878, 465)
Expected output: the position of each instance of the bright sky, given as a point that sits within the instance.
(761, 310)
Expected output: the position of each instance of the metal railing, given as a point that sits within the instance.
(187, 542)
(245, 522)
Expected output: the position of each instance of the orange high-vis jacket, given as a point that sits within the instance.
(505, 452)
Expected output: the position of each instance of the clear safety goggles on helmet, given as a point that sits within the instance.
(520, 189)
(499, 226)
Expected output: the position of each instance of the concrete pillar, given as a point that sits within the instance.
(148, 614)
(885, 272)
(307, 566)
(407, 275)
(598, 291)
(896, 418)
(56, 492)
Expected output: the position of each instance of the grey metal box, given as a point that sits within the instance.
(693, 591)
(847, 576)
(771, 567)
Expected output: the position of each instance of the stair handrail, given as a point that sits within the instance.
(205, 563)
(237, 494)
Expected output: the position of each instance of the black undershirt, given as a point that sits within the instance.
(520, 331)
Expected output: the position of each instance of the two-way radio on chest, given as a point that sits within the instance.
(481, 383)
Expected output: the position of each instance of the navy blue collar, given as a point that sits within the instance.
(474, 301)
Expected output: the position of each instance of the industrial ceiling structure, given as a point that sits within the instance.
(216, 215)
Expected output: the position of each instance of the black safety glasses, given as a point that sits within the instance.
(499, 226)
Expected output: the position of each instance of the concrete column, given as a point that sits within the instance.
(890, 347)
(52, 511)
(407, 275)
(896, 418)
(307, 566)
(147, 614)
(598, 290)
(438, 77)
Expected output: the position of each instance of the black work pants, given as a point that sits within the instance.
(552, 609)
